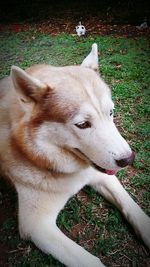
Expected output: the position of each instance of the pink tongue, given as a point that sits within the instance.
(110, 172)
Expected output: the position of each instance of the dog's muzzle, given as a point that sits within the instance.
(121, 163)
(100, 169)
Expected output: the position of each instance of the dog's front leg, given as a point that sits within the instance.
(111, 189)
(51, 240)
(37, 222)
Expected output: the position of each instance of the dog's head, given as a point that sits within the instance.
(68, 117)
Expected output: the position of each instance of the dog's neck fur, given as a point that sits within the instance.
(42, 156)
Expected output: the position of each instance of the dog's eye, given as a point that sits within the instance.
(111, 112)
(83, 125)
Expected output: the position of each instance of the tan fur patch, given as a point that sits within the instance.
(52, 108)
(23, 143)
(26, 152)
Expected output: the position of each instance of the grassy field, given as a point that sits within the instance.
(88, 218)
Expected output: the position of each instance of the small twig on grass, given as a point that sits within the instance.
(19, 249)
(124, 255)
(118, 250)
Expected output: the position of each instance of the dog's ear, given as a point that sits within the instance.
(27, 87)
(91, 61)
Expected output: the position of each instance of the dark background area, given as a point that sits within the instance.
(109, 11)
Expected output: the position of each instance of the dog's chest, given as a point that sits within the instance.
(66, 184)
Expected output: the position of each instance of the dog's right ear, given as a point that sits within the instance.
(91, 61)
(27, 87)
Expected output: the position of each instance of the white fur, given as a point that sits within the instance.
(38, 212)
(42, 193)
(92, 59)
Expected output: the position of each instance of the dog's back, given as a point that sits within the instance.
(8, 110)
(5, 124)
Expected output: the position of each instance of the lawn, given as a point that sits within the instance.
(88, 218)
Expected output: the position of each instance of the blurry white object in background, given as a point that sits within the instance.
(92, 59)
(80, 29)
(142, 26)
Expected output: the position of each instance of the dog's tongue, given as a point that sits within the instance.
(110, 172)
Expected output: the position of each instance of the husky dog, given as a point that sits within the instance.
(57, 135)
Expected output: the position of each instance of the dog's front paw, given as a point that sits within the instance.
(143, 228)
(90, 261)
(145, 233)
(96, 263)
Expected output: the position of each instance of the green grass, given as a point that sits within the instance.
(88, 218)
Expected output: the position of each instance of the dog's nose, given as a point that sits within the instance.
(126, 161)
